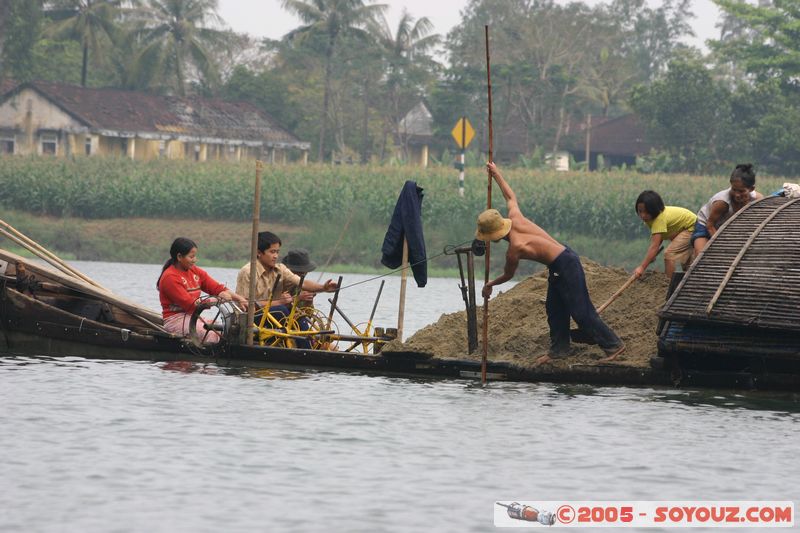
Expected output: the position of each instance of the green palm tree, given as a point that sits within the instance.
(85, 21)
(171, 34)
(5, 11)
(331, 19)
(406, 52)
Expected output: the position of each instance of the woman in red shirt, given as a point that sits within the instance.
(180, 286)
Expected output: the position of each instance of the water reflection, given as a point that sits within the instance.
(20, 361)
(269, 373)
(784, 402)
(190, 367)
(571, 390)
(194, 367)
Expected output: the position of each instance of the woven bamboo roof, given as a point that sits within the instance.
(749, 274)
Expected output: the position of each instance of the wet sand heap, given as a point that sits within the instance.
(518, 330)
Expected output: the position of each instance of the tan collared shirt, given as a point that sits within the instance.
(265, 279)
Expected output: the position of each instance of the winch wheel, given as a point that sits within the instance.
(223, 317)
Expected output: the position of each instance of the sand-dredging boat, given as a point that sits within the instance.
(730, 322)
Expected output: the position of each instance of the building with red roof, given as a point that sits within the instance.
(68, 120)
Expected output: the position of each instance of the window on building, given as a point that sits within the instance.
(48, 143)
(7, 144)
(88, 146)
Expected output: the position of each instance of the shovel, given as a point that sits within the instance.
(580, 336)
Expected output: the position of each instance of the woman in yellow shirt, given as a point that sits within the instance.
(666, 223)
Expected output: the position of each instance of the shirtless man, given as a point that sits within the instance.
(567, 295)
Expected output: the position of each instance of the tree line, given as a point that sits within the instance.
(344, 78)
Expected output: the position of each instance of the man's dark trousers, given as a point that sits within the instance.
(567, 296)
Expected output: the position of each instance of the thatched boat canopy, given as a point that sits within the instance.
(749, 274)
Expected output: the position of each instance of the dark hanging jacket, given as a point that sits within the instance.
(407, 222)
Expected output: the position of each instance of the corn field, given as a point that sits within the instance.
(596, 204)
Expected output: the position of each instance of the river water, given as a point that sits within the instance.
(138, 446)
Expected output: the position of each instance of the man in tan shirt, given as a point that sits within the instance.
(268, 268)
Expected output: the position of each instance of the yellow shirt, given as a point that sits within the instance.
(265, 279)
(672, 221)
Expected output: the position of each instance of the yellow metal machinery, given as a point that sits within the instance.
(301, 324)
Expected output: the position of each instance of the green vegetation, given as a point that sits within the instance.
(344, 78)
(316, 207)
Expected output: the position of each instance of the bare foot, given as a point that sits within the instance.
(614, 355)
(543, 360)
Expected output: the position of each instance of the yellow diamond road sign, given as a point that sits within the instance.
(463, 133)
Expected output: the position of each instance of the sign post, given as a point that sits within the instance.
(462, 133)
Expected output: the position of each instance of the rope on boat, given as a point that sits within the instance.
(338, 242)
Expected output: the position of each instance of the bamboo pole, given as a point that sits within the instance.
(488, 206)
(150, 317)
(403, 280)
(588, 149)
(40, 251)
(145, 315)
(251, 294)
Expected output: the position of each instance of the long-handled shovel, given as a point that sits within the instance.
(616, 295)
(580, 336)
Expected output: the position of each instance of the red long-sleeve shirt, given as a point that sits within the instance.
(179, 289)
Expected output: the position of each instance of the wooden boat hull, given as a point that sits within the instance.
(63, 322)
(32, 328)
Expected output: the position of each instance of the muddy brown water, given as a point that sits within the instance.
(518, 330)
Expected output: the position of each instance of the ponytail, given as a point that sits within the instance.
(180, 246)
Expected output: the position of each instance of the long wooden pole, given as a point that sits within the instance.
(616, 295)
(588, 150)
(21, 242)
(401, 312)
(37, 249)
(488, 206)
(251, 294)
(148, 316)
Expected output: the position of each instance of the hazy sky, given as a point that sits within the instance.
(266, 18)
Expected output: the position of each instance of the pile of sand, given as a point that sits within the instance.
(518, 330)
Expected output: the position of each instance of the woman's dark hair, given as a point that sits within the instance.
(180, 246)
(267, 239)
(745, 173)
(653, 204)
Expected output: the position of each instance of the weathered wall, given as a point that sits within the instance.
(27, 114)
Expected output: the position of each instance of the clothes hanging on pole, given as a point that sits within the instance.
(407, 222)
